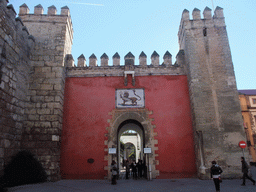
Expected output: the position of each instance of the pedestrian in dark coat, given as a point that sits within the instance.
(245, 169)
(139, 165)
(215, 175)
(114, 172)
(134, 170)
(127, 169)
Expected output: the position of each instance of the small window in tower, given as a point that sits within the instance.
(205, 32)
(254, 101)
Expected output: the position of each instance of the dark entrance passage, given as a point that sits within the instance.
(130, 157)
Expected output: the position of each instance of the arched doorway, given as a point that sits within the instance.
(130, 131)
(137, 120)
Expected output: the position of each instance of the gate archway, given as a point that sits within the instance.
(135, 126)
(140, 121)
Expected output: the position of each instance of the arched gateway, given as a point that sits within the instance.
(138, 120)
(130, 141)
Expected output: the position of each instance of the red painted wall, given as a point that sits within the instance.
(87, 104)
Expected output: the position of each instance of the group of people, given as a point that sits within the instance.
(216, 172)
(138, 169)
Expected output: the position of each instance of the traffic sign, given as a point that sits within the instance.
(242, 144)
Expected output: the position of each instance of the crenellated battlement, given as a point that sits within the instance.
(51, 17)
(142, 68)
(39, 10)
(207, 14)
(129, 59)
(200, 22)
(52, 31)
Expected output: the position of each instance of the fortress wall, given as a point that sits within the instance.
(15, 50)
(42, 129)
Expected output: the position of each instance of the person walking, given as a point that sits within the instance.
(127, 169)
(114, 172)
(134, 170)
(245, 169)
(139, 165)
(215, 175)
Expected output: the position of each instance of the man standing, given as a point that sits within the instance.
(245, 168)
(215, 175)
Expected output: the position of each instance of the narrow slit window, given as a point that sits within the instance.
(205, 32)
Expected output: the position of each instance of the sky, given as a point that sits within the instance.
(110, 26)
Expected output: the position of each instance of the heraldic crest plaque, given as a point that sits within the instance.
(130, 98)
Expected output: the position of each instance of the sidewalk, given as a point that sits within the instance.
(171, 185)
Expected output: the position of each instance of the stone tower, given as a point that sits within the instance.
(217, 119)
(42, 128)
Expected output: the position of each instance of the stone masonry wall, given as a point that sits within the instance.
(214, 99)
(15, 46)
(42, 129)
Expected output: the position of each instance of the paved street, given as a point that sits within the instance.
(183, 185)
(131, 185)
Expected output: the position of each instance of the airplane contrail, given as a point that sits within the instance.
(86, 3)
(93, 4)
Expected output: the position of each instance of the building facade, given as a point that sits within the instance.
(248, 105)
(186, 112)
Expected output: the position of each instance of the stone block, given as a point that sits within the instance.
(33, 117)
(49, 99)
(36, 99)
(43, 153)
(50, 117)
(46, 69)
(34, 86)
(50, 75)
(29, 145)
(58, 87)
(58, 99)
(58, 112)
(31, 111)
(40, 92)
(54, 105)
(45, 111)
(59, 74)
(46, 87)
(44, 137)
(56, 124)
